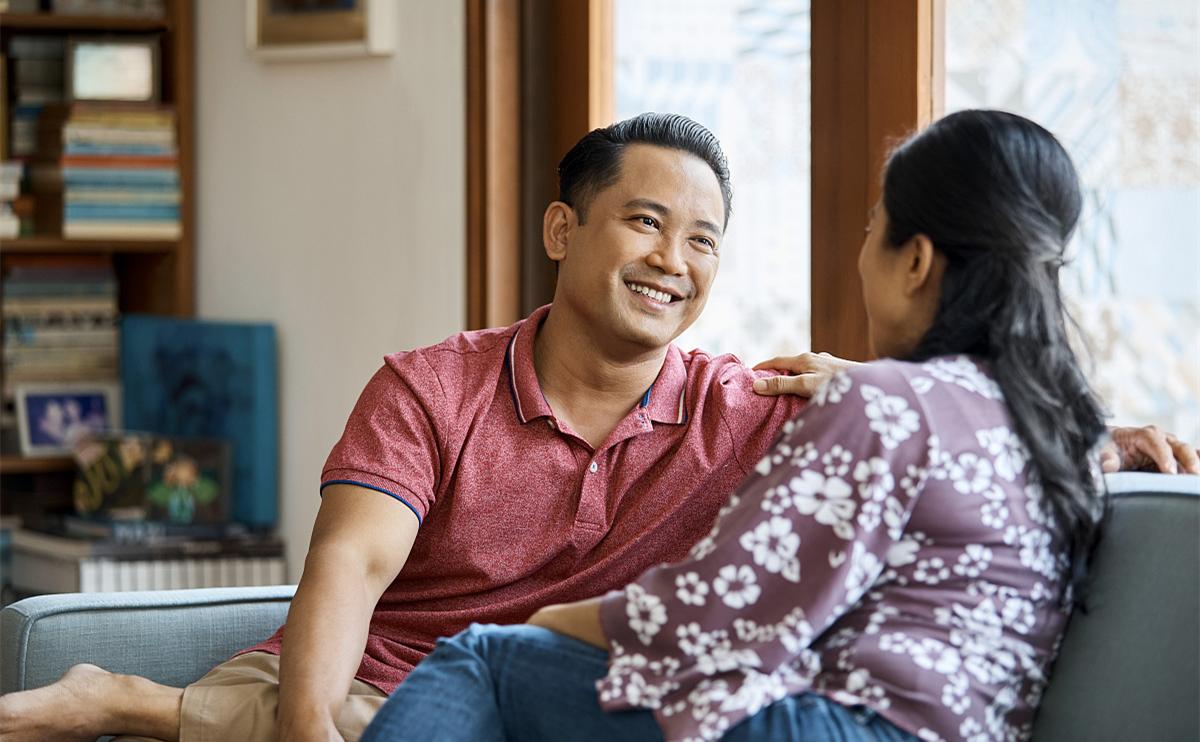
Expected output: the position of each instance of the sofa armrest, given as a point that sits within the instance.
(1129, 667)
(170, 636)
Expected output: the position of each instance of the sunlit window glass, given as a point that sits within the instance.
(742, 70)
(1118, 81)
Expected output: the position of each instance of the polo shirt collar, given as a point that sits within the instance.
(664, 401)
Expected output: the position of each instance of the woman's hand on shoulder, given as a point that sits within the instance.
(1148, 448)
(801, 375)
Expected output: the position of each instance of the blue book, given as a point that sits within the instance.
(150, 176)
(201, 379)
(121, 212)
(91, 148)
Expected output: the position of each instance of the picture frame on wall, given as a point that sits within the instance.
(320, 29)
(51, 417)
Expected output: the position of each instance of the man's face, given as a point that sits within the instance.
(641, 266)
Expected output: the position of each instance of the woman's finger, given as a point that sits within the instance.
(772, 386)
(1186, 458)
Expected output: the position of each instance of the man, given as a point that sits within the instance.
(501, 470)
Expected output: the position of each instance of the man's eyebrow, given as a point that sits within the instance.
(661, 210)
(648, 205)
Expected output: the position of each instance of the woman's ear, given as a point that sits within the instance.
(924, 265)
(557, 223)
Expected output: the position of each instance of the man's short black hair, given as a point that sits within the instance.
(594, 163)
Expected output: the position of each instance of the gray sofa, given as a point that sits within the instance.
(1129, 669)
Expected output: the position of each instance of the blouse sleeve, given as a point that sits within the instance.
(798, 544)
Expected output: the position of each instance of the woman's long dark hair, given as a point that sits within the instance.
(998, 196)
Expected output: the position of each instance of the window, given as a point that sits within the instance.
(1119, 84)
(742, 70)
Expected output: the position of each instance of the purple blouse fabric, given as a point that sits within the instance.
(892, 550)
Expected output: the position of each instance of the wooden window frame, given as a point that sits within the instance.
(539, 76)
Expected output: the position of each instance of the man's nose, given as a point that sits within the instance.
(668, 256)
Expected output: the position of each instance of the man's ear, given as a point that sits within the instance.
(557, 224)
(923, 265)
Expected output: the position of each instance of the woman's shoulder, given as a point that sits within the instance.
(940, 375)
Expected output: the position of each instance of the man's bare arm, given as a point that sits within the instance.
(360, 541)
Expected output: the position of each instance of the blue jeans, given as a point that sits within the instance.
(527, 683)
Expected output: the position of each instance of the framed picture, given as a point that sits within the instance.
(50, 417)
(112, 69)
(320, 29)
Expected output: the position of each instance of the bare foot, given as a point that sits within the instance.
(71, 708)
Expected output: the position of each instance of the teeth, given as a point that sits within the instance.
(659, 296)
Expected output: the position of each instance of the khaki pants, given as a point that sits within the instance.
(238, 698)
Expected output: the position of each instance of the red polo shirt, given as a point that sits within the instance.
(518, 512)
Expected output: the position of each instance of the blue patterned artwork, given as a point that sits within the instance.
(1118, 81)
(199, 379)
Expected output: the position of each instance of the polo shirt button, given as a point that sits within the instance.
(551, 422)
(593, 467)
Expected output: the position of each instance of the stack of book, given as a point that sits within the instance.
(124, 8)
(121, 173)
(60, 320)
(52, 563)
(37, 79)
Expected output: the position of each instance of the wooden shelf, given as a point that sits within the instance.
(56, 22)
(104, 246)
(35, 465)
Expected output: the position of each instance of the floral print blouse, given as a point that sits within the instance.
(893, 550)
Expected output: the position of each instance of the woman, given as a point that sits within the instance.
(901, 565)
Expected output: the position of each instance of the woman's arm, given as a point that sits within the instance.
(580, 620)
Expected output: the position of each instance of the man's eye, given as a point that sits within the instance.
(648, 221)
(707, 243)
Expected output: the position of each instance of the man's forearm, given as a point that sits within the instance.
(326, 631)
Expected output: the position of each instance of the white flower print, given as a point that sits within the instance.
(869, 516)
(971, 473)
(1017, 614)
(864, 570)
(805, 455)
(777, 500)
(994, 513)
(940, 460)
(921, 384)
(837, 462)
(827, 499)
(963, 372)
(690, 589)
(774, 545)
(1034, 501)
(931, 571)
(874, 477)
(1034, 551)
(903, 552)
(833, 390)
(646, 612)
(1006, 449)
(737, 586)
(954, 694)
(973, 561)
(913, 480)
(890, 416)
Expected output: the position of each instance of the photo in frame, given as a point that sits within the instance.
(51, 417)
(133, 476)
(320, 29)
(114, 69)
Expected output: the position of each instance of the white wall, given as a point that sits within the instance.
(330, 202)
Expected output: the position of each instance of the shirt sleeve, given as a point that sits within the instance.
(797, 545)
(390, 443)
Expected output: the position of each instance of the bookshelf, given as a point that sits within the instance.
(153, 276)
